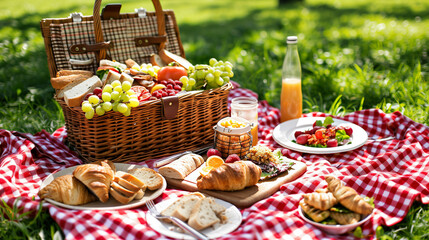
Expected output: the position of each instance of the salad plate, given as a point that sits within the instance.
(284, 135)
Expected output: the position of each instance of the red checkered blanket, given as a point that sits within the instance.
(393, 172)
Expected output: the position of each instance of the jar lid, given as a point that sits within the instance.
(231, 130)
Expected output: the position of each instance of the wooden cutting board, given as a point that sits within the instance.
(246, 197)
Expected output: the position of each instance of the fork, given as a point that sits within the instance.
(152, 209)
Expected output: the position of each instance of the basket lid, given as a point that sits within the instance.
(232, 130)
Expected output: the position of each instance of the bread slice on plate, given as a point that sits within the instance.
(151, 179)
(203, 216)
(187, 203)
(119, 197)
(129, 181)
(76, 91)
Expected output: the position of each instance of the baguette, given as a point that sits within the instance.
(74, 72)
(76, 91)
(62, 81)
(129, 181)
(122, 190)
(182, 167)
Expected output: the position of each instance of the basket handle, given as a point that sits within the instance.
(99, 34)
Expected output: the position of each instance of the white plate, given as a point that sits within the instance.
(111, 204)
(218, 230)
(283, 134)
(334, 229)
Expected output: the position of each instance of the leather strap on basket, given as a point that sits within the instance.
(170, 107)
(99, 34)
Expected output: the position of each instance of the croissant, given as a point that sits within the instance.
(231, 176)
(97, 177)
(67, 189)
(322, 201)
(316, 214)
(348, 197)
(345, 218)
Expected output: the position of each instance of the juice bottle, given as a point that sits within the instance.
(291, 95)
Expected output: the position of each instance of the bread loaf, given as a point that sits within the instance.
(62, 81)
(76, 91)
(182, 167)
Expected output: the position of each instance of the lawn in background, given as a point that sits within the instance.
(355, 55)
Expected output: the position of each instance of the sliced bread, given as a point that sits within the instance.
(110, 77)
(76, 91)
(188, 202)
(122, 190)
(129, 181)
(126, 77)
(151, 179)
(203, 216)
(119, 197)
(139, 194)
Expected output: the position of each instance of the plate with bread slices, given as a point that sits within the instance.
(211, 216)
(102, 185)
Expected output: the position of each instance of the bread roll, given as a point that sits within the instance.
(182, 167)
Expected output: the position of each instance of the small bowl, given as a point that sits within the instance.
(334, 229)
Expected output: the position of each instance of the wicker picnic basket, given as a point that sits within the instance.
(155, 128)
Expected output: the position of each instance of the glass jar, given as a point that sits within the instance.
(233, 139)
(247, 108)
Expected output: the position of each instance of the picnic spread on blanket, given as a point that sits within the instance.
(149, 136)
(392, 172)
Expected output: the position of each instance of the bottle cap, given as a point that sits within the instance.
(292, 39)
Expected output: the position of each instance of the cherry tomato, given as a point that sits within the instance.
(172, 73)
(319, 134)
(108, 68)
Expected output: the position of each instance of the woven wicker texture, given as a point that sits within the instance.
(144, 134)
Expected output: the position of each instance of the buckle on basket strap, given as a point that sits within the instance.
(170, 107)
(84, 48)
(141, 12)
(149, 40)
(76, 16)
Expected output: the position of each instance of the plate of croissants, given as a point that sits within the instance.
(102, 185)
(337, 209)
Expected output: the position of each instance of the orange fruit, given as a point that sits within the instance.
(205, 170)
(214, 161)
(157, 87)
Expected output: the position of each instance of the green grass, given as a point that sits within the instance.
(355, 55)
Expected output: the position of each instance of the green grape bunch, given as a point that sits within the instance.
(203, 76)
(116, 96)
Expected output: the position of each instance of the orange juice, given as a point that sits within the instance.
(291, 99)
(254, 133)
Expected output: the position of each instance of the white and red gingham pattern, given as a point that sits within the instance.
(393, 172)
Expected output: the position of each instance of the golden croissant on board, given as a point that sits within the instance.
(67, 189)
(348, 197)
(231, 176)
(322, 201)
(97, 177)
(345, 218)
(316, 214)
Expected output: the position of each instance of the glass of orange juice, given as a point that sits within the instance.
(247, 108)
